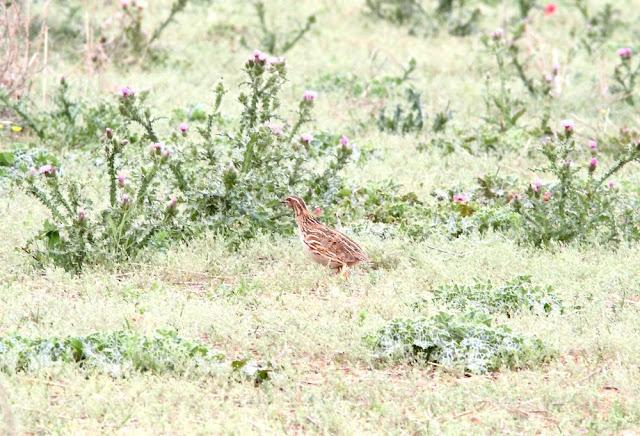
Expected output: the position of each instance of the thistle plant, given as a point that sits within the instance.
(248, 170)
(502, 109)
(70, 121)
(404, 118)
(274, 41)
(599, 26)
(467, 342)
(625, 75)
(132, 42)
(84, 232)
(580, 203)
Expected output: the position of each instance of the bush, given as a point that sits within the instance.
(120, 352)
(376, 87)
(70, 122)
(119, 227)
(518, 294)
(453, 15)
(403, 119)
(249, 170)
(577, 205)
(466, 342)
(275, 41)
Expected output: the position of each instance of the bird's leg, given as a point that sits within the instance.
(344, 269)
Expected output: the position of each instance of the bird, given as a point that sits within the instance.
(324, 245)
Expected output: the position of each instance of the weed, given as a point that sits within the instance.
(518, 294)
(275, 41)
(467, 342)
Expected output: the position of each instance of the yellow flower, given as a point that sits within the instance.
(16, 128)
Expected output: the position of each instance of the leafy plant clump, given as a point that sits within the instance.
(581, 203)
(467, 342)
(403, 119)
(274, 41)
(132, 216)
(235, 179)
(453, 15)
(70, 121)
(120, 352)
(518, 294)
(378, 87)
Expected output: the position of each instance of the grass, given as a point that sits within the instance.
(268, 303)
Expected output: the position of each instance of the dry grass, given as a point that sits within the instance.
(23, 49)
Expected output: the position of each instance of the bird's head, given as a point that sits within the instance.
(296, 203)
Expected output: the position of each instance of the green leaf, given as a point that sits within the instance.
(7, 158)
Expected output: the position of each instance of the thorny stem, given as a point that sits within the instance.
(617, 167)
(42, 197)
(177, 6)
(23, 115)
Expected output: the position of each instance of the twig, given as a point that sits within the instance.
(445, 251)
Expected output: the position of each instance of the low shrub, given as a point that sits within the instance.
(404, 118)
(120, 352)
(454, 16)
(518, 294)
(375, 87)
(138, 210)
(581, 203)
(70, 122)
(467, 342)
(248, 170)
(275, 41)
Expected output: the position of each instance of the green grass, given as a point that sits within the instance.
(269, 303)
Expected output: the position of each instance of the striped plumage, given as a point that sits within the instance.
(325, 246)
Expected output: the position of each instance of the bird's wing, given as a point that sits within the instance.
(334, 246)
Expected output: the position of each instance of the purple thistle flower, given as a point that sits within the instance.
(82, 214)
(536, 185)
(258, 57)
(166, 154)
(126, 91)
(497, 34)
(611, 184)
(276, 129)
(344, 141)
(306, 138)
(121, 178)
(625, 53)
(172, 203)
(125, 201)
(593, 145)
(568, 126)
(156, 148)
(309, 95)
(459, 198)
(184, 128)
(48, 170)
(593, 163)
(275, 60)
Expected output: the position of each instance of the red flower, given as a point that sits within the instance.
(550, 8)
